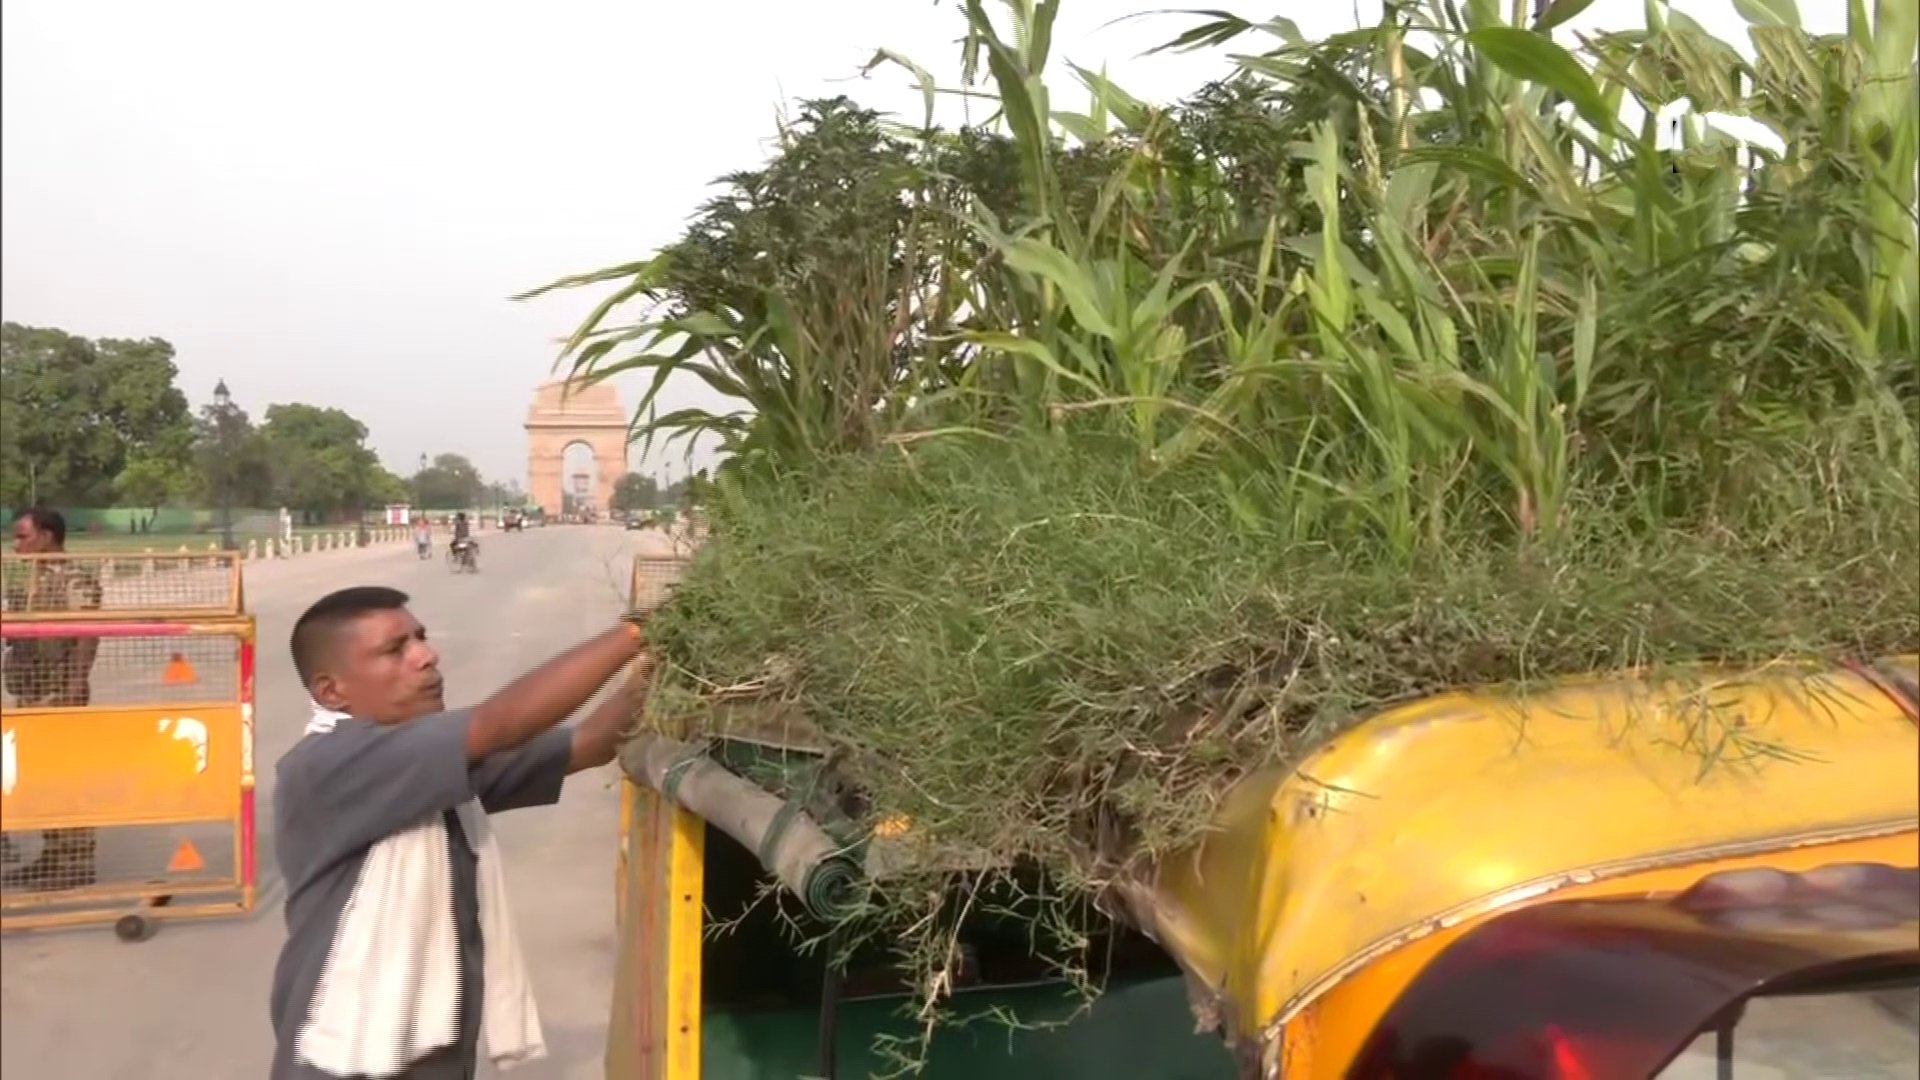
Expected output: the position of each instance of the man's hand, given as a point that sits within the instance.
(598, 736)
(550, 693)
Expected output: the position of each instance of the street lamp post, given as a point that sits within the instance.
(223, 408)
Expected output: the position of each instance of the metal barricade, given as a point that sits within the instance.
(127, 730)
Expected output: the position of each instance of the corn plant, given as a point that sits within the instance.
(1419, 278)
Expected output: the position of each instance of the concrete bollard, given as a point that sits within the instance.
(253, 550)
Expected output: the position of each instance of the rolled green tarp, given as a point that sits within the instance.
(792, 846)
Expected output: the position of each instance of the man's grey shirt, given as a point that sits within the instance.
(341, 792)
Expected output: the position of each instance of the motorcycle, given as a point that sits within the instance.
(466, 556)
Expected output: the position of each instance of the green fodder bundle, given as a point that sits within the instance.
(1012, 642)
(1079, 467)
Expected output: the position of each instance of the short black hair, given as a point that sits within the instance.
(47, 520)
(314, 631)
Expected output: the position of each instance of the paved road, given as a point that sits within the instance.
(1857, 1036)
(191, 1003)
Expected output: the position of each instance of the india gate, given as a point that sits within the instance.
(566, 415)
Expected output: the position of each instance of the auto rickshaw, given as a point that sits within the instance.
(1664, 873)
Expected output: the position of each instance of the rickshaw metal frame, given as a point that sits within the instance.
(659, 886)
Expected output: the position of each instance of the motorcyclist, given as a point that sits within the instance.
(463, 536)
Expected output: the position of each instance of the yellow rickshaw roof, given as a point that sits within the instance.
(1442, 810)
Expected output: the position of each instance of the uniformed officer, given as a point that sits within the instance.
(51, 672)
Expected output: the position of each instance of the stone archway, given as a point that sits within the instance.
(561, 416)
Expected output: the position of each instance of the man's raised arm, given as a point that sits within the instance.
(550, 693)
(596, 737)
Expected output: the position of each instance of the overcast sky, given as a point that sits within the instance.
(332, 202)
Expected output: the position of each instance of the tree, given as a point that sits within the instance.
(695, 490)
(506, 493)
(635, 491)
(231, 457)
(386, 487)
(319, 460)
(74, 413)
(149, 483)
(450, 483)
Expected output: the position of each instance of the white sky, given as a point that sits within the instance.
(331, 202)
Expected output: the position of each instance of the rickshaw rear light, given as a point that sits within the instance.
(1562, 1055)
(1568, 1064)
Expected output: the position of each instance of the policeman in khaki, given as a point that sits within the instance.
(55, 672)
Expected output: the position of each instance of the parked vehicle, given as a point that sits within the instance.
(1581, 880)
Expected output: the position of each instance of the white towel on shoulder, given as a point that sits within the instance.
(389, 993)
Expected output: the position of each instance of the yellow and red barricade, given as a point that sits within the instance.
(131, 799)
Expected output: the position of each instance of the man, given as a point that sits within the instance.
(423, 537)
(51, 673)
(463, 548)
(385, 772)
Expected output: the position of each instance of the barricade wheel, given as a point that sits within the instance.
(135, 928)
